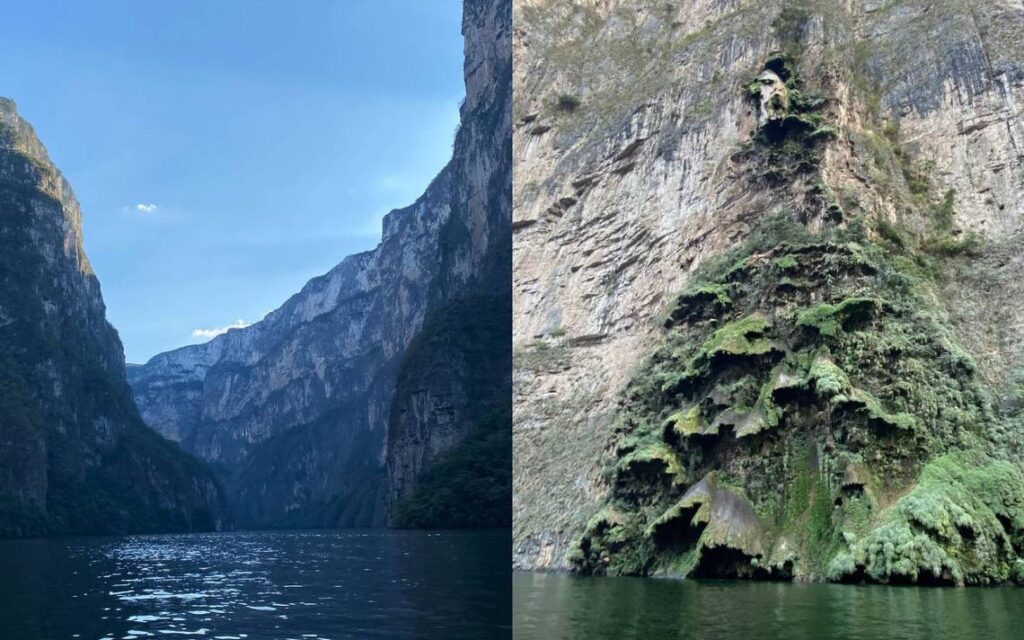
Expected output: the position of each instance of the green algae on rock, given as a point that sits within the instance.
(962, 523)
(821, 419)
(904, 172)
(789, 435)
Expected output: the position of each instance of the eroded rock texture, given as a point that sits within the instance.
(75, 457)
(773, 293)
(330, 409)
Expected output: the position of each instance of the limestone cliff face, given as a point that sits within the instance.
(300, 410)
(458, 374)
(639, 159)
(76, 457)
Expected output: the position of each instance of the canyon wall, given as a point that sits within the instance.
(327, 411)
(647, 156)
(76, 458)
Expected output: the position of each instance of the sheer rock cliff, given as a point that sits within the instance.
(76, 457)
(646, 157)
(327, 411)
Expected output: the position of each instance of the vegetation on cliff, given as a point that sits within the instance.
(468, 486)
(463, 345)
(808, 412)
(76, 458)
(830, 400)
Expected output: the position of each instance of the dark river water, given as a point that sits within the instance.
(556, 607)
(305, 585)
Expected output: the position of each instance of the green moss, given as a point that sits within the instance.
(824, 132)
(888, 391)
(685, 423)
(683, 509)
(784, 65)
(789, 283)
(779, 228)
(958, 525)
(743, 337)
(655, 458)
(807, 520)
(612, 543)
(828, 379)
(701, 301)
(767, 411)
(787, 262)
(829, 319)
(711, 514)
(606, 518)
(875, 412)
(576, 555)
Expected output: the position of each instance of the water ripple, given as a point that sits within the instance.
(319, 585)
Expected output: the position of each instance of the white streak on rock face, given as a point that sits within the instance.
(774, 98)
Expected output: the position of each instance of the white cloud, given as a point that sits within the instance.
(213, 333)
(146, 208)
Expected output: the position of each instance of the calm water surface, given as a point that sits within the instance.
(306, 585)
(554, 607)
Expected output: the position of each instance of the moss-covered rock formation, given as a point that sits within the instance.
(891, 125)
(808, 412)
(822, 424)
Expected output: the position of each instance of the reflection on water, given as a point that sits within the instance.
(312, 585)
(553, 607)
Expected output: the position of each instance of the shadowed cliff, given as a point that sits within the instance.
(328, 411)
(76, 458)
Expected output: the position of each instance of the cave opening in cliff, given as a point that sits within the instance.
(723, 562)
(679, 534)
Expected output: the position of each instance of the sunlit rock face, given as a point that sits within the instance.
(314, 415)
(75, 457)
(652, 140)
(774, 98)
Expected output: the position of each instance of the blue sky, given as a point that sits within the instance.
(226, 151)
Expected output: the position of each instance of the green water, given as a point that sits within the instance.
(553, 607)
